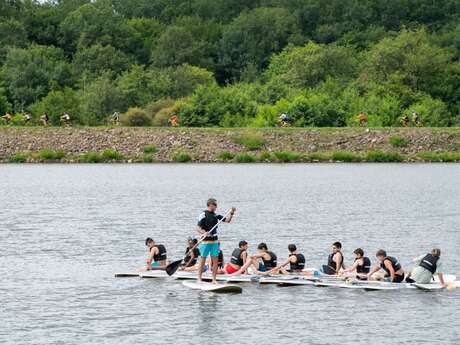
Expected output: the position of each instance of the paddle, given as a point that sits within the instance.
(174, 266)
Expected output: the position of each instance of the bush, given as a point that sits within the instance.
(111, 155)
(181, 157)
(147, 159)
(18, 158)
(50, 155)
(397, 141)
(251, 141)
(439, 156)
(345, 156)
(318, 156)
(383, 157)
(265, 157)
(150, 149)
(244, 158)
(136, 117)
(286, 156)
(225, 156)
(91, 157)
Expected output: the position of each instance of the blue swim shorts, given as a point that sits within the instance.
(209, 248)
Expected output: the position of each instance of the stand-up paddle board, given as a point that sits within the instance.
(153, 274)
(219, 288)
(126, 274)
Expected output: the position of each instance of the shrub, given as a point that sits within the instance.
(181, 157)
(18, 158)
(147, 159)
(251, 141)
(91, 157)
(265, 156)
(244, 158)
(439, 156)
(318, 156)
(345, 156)
(286, 156)
(384, 157)
(50, 155)
(397, 141)
(150, 149)
(136, 117)
(225, 156)
(111, 155)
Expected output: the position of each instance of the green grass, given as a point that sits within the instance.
(51, 155)
(150, 149)
(225, 156)
(383, 157)
(319, 156)
(181, 157)
(345, 156)
(147, 159)
(439, 156)
(251, 141)
(397, 141)
(111, 155)
(91, 157)
(18, 158)
(245, 158)
(264, 156)
(288, 156)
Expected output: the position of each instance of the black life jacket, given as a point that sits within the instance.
(332, 264)
(269, 264)
(196, 254)
(236, 257)
(429, 262)
(299, 264)
(365, 267)
(220, 260)
(394, 263)
(209, 221)
(161, 253)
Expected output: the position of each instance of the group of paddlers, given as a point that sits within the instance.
(265, 261)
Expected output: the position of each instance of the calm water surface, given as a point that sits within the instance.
(65, 230)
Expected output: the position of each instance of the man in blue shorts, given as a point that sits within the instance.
(210, 245)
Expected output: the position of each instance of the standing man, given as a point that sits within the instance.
(210, 245)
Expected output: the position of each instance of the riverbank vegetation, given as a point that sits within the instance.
(231, 63)
(182, 145)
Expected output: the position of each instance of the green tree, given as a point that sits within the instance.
(12, 34)
(56, 103)
(99, 100)
(252, 37)
(32, 72)
(97, 59)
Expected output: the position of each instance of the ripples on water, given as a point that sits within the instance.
(64, 231)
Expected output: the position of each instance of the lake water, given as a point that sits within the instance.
(66, 229)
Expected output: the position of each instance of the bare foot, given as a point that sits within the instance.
(214, 282)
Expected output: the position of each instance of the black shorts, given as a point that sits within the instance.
(398, 278)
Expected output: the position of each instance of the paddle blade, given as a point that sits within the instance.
(172, 267)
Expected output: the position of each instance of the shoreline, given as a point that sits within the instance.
(227, 145)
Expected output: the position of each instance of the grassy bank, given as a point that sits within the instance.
(147, 145)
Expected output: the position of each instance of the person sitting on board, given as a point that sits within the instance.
(426, 267)
(220, 262)
(7, 118)
(334, 260)
(191, 259)
(361, 266)
(238, 259)
(65, 119)
(44, 119)
(392, 269)
(296, 262)
(210, 245)
(157, 255)
(269, 259)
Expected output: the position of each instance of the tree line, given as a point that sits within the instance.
(232, 63)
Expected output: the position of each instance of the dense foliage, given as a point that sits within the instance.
(232, 62)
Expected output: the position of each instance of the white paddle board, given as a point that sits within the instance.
(126, 274)
(220, 288)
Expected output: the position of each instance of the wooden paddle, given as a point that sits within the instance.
(174, 266)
